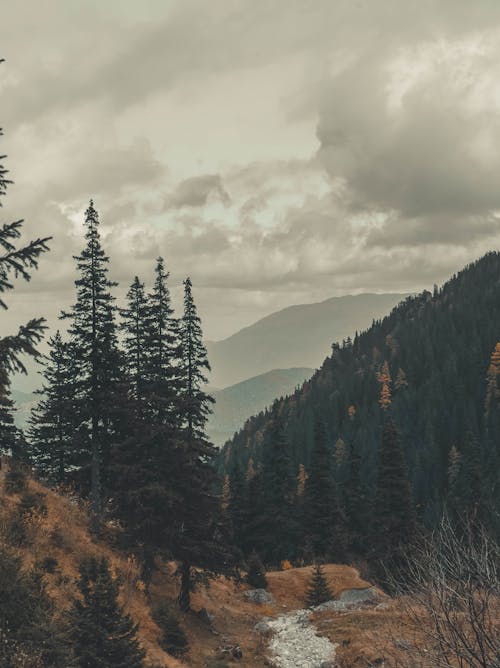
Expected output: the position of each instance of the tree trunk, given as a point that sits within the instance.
(184, 597)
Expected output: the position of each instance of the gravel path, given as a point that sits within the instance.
(295, 643)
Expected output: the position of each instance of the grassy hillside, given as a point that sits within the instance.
(237, 403)
(298, 336)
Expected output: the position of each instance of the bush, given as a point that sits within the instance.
(173, 639)
(256, 574)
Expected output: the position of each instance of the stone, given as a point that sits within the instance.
(260, 596)
(263, 628)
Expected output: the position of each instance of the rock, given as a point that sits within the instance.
(358, 595)
(260, 596)
(327, 664)
(263, 628)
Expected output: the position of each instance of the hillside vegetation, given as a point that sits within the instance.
(431, 370)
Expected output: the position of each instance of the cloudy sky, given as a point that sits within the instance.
(279, 152)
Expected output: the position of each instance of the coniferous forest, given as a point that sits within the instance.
(353, 523)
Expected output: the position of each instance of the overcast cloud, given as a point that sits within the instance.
(277, 151)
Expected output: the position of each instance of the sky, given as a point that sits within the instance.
(278, 152)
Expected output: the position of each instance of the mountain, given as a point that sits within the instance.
(236, 403)
(297, 336)
(436, 361)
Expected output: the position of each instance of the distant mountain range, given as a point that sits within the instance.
(297, 336)
(236, 403)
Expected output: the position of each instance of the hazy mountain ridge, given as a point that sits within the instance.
(297, 336)
(236, 403)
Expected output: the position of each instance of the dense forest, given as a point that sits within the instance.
(402, 420)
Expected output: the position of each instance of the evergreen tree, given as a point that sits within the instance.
(393, 520)
(162, 360)
(52, 429)
(277, 530)
(93, 336)
(318, 591)
(323, 519)
(103, 635)
(15, 261)
(136, 344)
(196, 404)
(256, 574)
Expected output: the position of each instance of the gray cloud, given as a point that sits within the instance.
(196, 191)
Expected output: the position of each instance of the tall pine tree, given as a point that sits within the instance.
(134, 325)
(93, 335)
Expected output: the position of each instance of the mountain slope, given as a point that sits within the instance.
(236, 403)
(298, 336)
(438, 349)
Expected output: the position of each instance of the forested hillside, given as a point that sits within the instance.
(411, 405)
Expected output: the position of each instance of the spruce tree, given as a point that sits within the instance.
(104, 636)
(15, 261)
(93, 336)
(173, 639)
(393, 518)
(163, 352)
(196, 404)
(52, 432)
(277, 528)
(324, 526)
(318, 591)
(134, 325)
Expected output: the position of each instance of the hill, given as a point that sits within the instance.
(298, 336)
(435, 353)
(236, 403)
(52, 538)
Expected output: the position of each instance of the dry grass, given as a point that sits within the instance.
(364, 636)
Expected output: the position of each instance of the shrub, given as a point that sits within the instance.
(15, 481)
(173, 639)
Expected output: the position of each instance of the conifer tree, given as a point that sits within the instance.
(323, 519)
(15, 261)
(93, 336)
(318, 591)
(162, 360)
(104, 636)
(52, 432)
(276, 531)
(196, 404)
(173, 640)
(394, 521)
(134, 325)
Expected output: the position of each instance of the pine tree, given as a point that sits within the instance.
(52, 437)
(318, 591)
(162, 360)
(196, 404)
(103, 635)
(15, 261)
(323, 519)
(134, 325)
(256, 574)
(393, 520)
(276, 530)
(93, 336)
